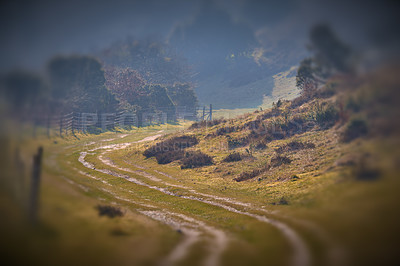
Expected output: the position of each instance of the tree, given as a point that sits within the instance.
(78, 84)
(305, 73)
(154, 60)
(182, 94)
(127, 84)
(24, 90)
(158, 97)
(331, 55)
(306, 79)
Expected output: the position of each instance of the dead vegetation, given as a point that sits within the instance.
(171, 149)
(355, 128)
(278, 160)
(232, 157)
(251, 174)
(109, 211)
(194, 159)
(335, 108)
(294, 146)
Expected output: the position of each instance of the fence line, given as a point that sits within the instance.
(74, 122)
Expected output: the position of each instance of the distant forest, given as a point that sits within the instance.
(128, 76)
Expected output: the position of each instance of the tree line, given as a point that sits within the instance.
(147, 77)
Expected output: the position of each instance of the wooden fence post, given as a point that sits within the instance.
(35, 185)
(61, 124)
(73, 124)
(210, 116)
(48, 126)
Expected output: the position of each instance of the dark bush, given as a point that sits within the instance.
(326, 116)
(356, 128)
(282, 201)
(94, 130)
(261, 132)
(260, 145)
(119, 232)
(249, 175)
(110, 211)
(364, 173)
(224, 130)
(281, 129)
(365, 168)
(233, 157)
(295, 145)
(168, 157)
(235, 143)
(279, 160)
(171, 149)
(294, 126)
(194, 159)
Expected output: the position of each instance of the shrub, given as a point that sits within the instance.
(325, 115)
(355, 129)
(251, 174)
(195, 159)
(224, 130)
(118, 232)
(280, 129)
(260, 145)
(168, 157)
(282, 201)
(170, 149)
(365, 173)
(233, 157)
(365, 168)
(94, 130)
(295, 145)
(110, 211)
(279, 160)
(235, 143)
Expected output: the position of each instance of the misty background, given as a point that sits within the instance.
(230, 48)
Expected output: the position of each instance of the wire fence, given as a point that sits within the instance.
(81, 122)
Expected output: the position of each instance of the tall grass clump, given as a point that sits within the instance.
(194, 159)
(356, 128)
(171, 149)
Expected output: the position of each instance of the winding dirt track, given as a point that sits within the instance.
(192, 229)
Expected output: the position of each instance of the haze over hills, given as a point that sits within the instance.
(232, 67)
(230, 46)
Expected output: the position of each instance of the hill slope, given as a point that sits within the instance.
(313, 181)
(328, 158)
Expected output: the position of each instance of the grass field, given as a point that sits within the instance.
(219, 219)
(300, 193)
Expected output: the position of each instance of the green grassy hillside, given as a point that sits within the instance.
(329, 158)
(312, 181)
